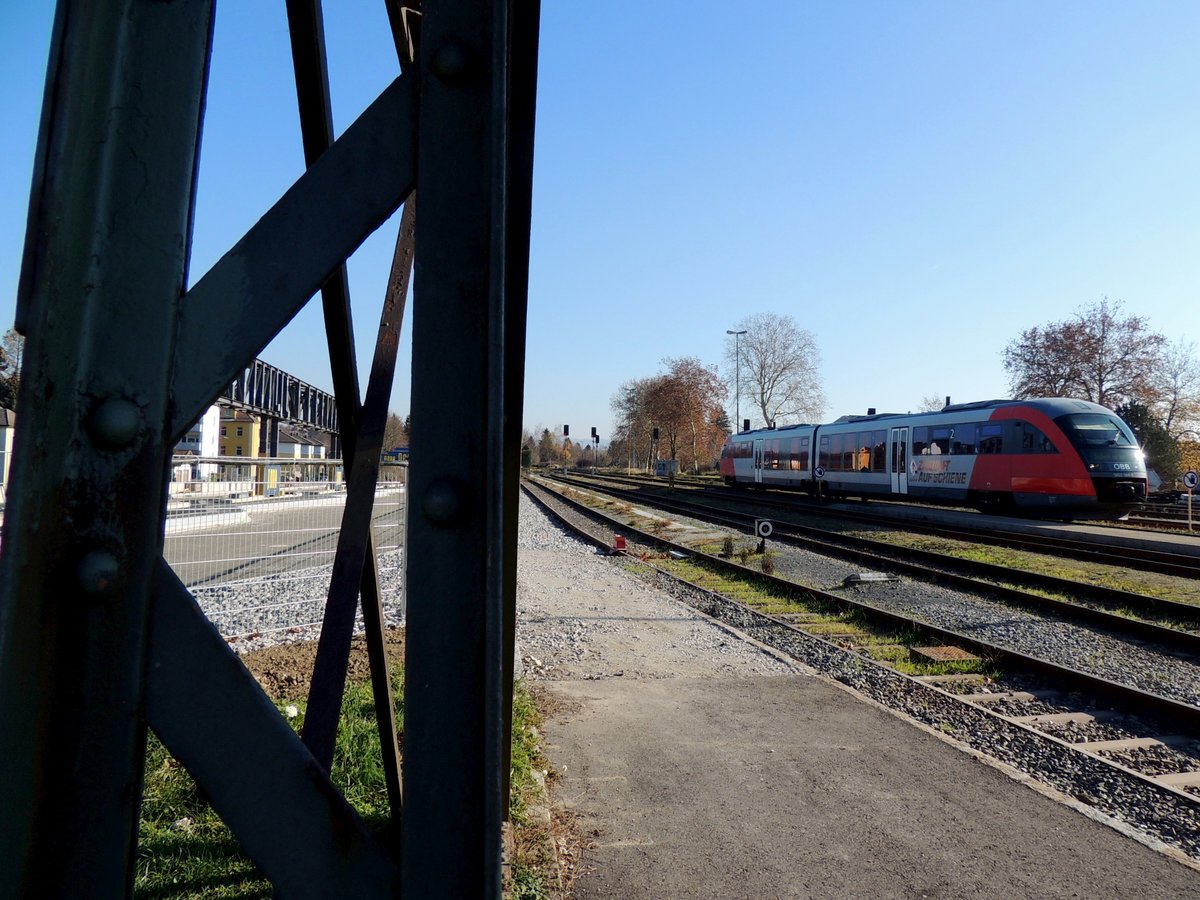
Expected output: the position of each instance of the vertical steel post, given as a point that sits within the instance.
(461, 506)
(104, 270)
(524, 25)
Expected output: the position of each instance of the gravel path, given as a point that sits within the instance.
(653, 634)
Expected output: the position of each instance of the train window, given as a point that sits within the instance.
(862, 457)
(804, 454)
(823, 454)
(836, 442)
(963, 439)
(991, 439)
(1034, 440)
(878, 451)
(939, 441)
(1097, 430)
(920, 443)
(853, 459)
(794, 455)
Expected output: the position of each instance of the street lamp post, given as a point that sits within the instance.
(737, 380)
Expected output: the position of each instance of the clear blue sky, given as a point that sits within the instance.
(915, 183)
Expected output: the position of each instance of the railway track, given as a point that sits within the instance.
(1164, 517)
(1114, 732)
(1146, 559)
(1098, 605)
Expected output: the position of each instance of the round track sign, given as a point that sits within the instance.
(819, 471)
(1190, 480)
(763, 528)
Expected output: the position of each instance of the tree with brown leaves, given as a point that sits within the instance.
(1099, 355)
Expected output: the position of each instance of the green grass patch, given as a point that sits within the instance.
(532, 845)
(186, 851)
(846, 627)
(757, 593)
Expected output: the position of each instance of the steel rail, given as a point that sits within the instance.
(883, 555)
(1038, 544)
(1134, 697)
(1163, 562)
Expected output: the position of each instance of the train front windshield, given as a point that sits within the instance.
(1101, 438)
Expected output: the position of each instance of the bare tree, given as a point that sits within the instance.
(778, 369)
(931, 403)
(633, 428)
(1179, 388)
(1098, 355)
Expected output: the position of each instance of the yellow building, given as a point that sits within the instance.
(240, 433)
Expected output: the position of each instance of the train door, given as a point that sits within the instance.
(899, 457)
(758, 460)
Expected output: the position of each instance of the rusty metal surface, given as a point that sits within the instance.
(361, 575)
(105, 266)
(354, 545)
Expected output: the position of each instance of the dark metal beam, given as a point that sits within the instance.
(522, 100)
(307, 31)
(362, 575)
(337, 628)
(215, 719)
(460, 507)
(256, 288)
(101, 286)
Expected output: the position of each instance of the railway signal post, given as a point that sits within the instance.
(763, 529)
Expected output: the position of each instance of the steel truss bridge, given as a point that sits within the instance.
(261, 388)
(278, 397)
(98, 638)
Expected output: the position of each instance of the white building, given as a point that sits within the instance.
(8, 421)
(204, 440)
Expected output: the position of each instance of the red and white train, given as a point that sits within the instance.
(1053, 457)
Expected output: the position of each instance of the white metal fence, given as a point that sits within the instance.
(254, 540)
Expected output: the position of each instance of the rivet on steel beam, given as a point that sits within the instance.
(452, 63)
(115, 422)
(98, 572)
(443, 503)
